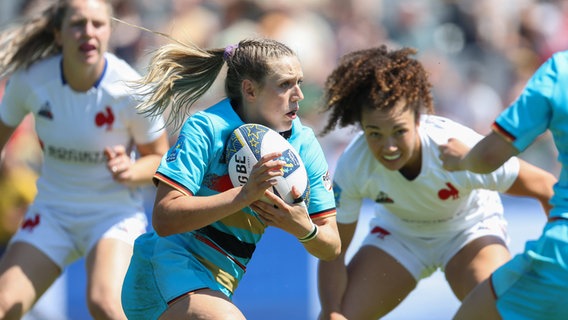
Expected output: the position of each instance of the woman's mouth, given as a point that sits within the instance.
(292, 114)
(87, 47)
(391, 157)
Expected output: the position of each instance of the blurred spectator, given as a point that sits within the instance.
(127, 41)
(191, 21)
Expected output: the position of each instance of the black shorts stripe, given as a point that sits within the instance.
(229, 243)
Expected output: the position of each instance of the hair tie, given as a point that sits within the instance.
(229, 51)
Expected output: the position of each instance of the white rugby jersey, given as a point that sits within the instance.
(436, 201)
(75, 127)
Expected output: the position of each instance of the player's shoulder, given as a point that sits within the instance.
(41, 72)
(560, 57)
(220, 114)
(118, 68)
(436, 122)
(217, 120)
(357, 144)
(302, 133)
(356, 152)
(119, 76)
(440, 129)
(554, 67)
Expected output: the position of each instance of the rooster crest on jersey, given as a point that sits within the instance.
(249, 142)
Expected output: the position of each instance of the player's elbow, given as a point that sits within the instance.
(163, 225)
(333, 252)
(334, 255)
(162, 228)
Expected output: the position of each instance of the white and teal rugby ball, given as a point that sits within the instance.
(249, 142)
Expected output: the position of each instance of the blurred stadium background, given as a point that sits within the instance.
(479, 55)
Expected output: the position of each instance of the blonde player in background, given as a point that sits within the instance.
(88, 202)
(426, 218)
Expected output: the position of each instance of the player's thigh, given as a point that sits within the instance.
(25, 274)
(478, 304)
(203, 304)
(107, 264)
(377, 284)
(474, 263)
(108, 260)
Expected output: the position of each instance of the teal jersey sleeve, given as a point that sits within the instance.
(543, 105)
(319, 198)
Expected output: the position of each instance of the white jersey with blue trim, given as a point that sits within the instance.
(436, 201)
(74, 128)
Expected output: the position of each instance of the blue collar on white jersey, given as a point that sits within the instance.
(96, 84)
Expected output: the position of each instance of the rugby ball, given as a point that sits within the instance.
(248, 143)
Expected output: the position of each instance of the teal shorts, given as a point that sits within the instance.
(534, 284)
(160, 272)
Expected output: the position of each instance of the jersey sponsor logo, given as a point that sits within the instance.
(173, 152)
(73, 155)
(380, 232)
(105, 117)
(31, 223)
(45, 111)
(450, 192)
(326, 178)
(382, 197)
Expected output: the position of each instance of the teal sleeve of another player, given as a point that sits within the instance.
(530, 115)
(321, 195)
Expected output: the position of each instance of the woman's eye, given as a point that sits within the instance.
(400, 132)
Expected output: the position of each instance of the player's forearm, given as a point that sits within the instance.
(182, 213)
(144, 169)
(475, 163)
(326, 245)
(534, 182)
(488, 154)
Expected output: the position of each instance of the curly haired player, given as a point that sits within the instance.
(426, 218)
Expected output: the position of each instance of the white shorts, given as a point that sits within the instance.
(65, 237)
(423, 256)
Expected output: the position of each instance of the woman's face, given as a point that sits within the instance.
(85, 32)
(275, 103)
(393, 137)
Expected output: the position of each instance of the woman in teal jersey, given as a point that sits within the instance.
(533, 285)
(206, 230)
